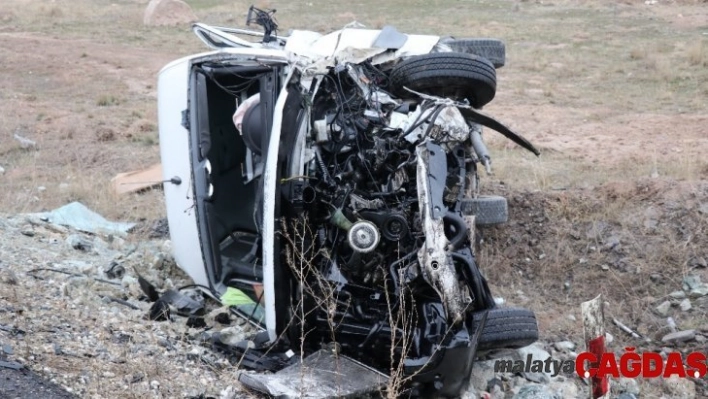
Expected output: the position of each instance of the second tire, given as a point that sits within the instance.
(489, 210)
(452, 75)
(507, 328)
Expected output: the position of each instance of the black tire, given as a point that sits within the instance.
(507, 328)
(489, 210)
(453, 75)
(492, 49)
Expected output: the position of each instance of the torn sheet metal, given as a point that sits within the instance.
(185, 305)
(419, 114)
(449, 126)
(436, 264)
(77, 216)
(299, 41)
(321, 375)
(218, 39)
(353, 45)
(352, 55)
(390, 38)
(475, 116)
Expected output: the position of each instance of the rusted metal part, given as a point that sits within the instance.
(434, 257)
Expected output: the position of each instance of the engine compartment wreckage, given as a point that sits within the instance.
(332, 180)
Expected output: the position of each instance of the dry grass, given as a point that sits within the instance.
(559, 243)
(97, 65)
(554, 171)
(698, 54)
(612, 92)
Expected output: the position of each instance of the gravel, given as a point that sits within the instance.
(23, 383)
(73, 319)
(85, 331)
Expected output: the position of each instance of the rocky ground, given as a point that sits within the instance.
(648, 260)
(72, 308)
(613, 93)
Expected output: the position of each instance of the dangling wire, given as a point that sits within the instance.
(265, 19)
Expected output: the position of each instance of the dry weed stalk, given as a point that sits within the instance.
(301, 256)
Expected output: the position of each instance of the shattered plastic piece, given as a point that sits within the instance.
(115, 270)
(149, 289)
(398, 120)
(196, 322)
(390, 38)
(185, 305)
(380, 97)
(10, 365)
(76, 215)
(159, 311)
(450, 126)
(251, 358)
(320, 375)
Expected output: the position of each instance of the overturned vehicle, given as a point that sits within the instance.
(333, 180)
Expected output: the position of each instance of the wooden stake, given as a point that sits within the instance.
(594, 325)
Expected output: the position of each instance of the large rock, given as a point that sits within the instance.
(168, 13)
(564, 346)
(663, 308)
(470, 393)
(626, 385)
(564, 387)
(535, 352)
(679, 388)
(679, 336)
(482, 372)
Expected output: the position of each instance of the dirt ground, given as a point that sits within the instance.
(27, 384)
(614, 93)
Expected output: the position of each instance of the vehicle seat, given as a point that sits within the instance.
(253, 128)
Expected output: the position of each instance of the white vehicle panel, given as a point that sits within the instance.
(172, 88)
(173, 94)
(317, 47)
(269, 175)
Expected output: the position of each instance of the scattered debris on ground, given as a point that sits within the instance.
(74, 310)
(19, 382)
(77, 216)
(25, 143)
(137, 180)
(640, 245)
